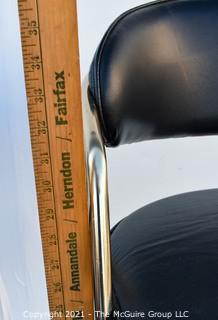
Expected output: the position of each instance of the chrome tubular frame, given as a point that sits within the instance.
(98, 208)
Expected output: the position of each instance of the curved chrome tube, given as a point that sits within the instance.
(99, 209)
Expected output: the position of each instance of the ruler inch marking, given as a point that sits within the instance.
(49, 147)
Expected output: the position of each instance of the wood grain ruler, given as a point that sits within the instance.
(49, 39)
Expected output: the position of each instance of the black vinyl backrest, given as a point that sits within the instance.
(155, 72)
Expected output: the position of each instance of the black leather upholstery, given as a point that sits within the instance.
(155, 73)
(165, 257)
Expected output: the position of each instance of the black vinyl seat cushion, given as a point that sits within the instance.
(165, 257)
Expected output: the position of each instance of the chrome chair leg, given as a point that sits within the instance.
(99, 209)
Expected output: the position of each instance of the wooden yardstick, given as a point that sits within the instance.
(49, 38)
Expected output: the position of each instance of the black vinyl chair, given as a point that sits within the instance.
(155, 75)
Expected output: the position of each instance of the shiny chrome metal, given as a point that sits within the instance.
(99, 208)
